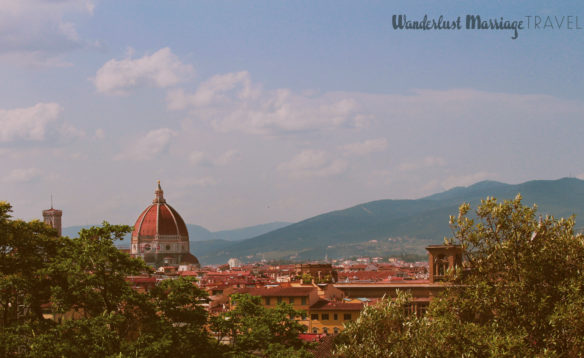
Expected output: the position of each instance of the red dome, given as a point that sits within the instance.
(160, 235)
(160, 220)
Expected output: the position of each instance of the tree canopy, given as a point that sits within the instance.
(42, 273)
(519, 294)
(258, 331)
(86, 277)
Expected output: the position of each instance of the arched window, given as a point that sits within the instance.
(440, 265)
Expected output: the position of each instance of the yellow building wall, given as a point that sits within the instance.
(331, 323)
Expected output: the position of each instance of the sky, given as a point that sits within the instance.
(250, 112)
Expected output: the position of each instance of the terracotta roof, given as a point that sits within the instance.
(325, 348)
(139, 279)
(160, 218)
(279, 291)
(189, 258)
(324, 305)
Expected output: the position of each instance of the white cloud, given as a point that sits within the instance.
(313, 163)
(465, 180)
(69, 131)
(35, 32)
(152, 144)
(232, 102)
(366, 147)
(215, 91)
(161, 69)
(29, 123)
(23, 175)
(427, 162)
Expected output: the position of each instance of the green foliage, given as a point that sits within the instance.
(306, 278)
(90, 272)
(87, 275)
(520, 294)
(258, 331)
(25, 251)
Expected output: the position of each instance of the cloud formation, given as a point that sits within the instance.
(160, 69)
(232, 102)
(29, 123)
(313, 163)
(35, 32)
(149, 146)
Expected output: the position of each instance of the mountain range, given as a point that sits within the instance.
(377, 228)
(391, 227)
(198, 233)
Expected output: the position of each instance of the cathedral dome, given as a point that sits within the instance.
(160, 219)
(160, 235)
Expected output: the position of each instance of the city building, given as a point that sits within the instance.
(52, 217)
(160, 236)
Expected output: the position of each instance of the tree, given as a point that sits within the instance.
(178, 327)
(25, 251)
(258, 331)
(88, 275)
(520, 293)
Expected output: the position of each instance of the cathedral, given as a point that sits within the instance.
(160, 236)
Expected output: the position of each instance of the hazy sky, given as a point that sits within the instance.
(256, 111)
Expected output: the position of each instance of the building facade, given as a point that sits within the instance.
(160, 236)
(52, 217)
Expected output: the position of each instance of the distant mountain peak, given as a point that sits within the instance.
(395, 227)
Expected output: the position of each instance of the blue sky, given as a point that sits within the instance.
(251, 112)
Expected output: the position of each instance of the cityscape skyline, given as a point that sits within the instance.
(250, 114)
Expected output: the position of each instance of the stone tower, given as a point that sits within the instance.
(52, 217)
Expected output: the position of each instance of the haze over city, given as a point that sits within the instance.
(256, 112)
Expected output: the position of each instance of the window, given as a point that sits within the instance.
(303, 301)
(314, 316)
(336, 330)
(347, 316)
(440, 265)
(325, 316)
(335, 316)
(267, 301)
(291, 300)
(279, 299)
(325, 330)
(315, 330)
(303, 315)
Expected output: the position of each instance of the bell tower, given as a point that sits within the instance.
(52, 217)
(441, 259)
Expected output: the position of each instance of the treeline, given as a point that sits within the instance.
(520, 293)
(82, 283)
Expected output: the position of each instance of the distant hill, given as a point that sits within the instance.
(394, 227)
(198, 233)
